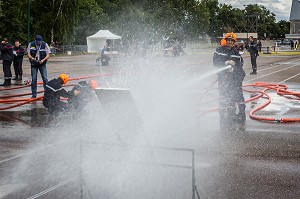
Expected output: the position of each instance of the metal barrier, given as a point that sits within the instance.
(83, 186)
(195, 192)
(268, 49)
(64, 49)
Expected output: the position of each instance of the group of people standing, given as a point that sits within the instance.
(38, 53)
(11, 55)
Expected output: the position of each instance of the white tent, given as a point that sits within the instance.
(96, 42)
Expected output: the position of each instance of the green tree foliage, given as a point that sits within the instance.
(177, 17)
(71, 21)
(113, 8)
(197, 20)
(231, 19)
(91, 19)
(12, 17)
(134, 23)
(214, 23)
(266, 20)
(55, 20)
(282, 28)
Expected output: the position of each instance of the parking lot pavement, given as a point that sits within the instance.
(40, 157)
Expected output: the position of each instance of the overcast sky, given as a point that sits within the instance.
(281, 8)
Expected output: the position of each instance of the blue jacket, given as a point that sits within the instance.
(34, 49)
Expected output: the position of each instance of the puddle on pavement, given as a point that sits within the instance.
(34, 117)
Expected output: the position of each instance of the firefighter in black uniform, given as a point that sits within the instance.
(53, 93)
(253, 50)
(85, 95)
(231, 98)
(7, 57)
(18, 52)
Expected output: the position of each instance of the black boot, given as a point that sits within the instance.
(5, 83)
(20, 77)
(253, 72)
(15, 78)
(8, 82)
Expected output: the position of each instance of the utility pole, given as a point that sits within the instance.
(28, 21)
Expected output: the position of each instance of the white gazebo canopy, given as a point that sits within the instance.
(96, 42)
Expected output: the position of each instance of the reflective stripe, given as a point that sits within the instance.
(236, 56)
(223, 54)
(53, 88)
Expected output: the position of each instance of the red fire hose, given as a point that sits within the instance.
(281, 89)
(22, 103)
(10, 99)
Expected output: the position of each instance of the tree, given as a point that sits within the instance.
(70, 21)
(266, 20)
(12, 18)
(178, 18)
(197, 20)
(282, 27)
(213, 8)
(91, 18)
(55, 20)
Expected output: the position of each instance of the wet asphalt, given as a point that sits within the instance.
(261, 162)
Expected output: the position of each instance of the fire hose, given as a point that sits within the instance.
(11, 99)
(281, 89)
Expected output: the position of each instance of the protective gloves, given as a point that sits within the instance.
(230, 62)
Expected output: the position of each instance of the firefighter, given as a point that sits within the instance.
(231, 98)
(7, 57)
(18, 52)
(85, 95)
(253, 50)
(54, 91)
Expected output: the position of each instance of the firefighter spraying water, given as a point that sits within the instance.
(231, 98)
(85, 88)
(77, 97)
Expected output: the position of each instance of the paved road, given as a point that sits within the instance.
(43, 157)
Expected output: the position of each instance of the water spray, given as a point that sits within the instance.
(210, 74)
(215, 72)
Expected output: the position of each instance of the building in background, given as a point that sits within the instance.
(295, 21)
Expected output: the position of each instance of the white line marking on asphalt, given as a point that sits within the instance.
(289, 78)
(277, 64)
(269, 68)
(39, 149)
(11, 158)
(271, 73)
(50, 189)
